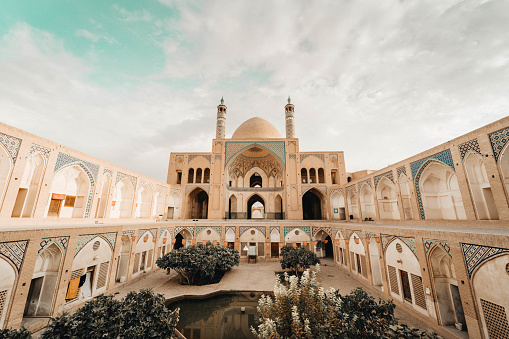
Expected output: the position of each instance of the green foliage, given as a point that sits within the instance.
(22, 333)
(137, 315)
(297, 259)
(198, 264)
(302, 309)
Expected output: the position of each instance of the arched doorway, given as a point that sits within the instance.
(29, 187)
(367, 202)
(255, 180)
(312, 205)
(198, 203)
(338, 206)
(232, 207)
(255, 207)
(480, 187)
(123, 259)
(182, 239)
(278, 207)
(68, 194)
(387, 200)
(122, 199)
(103, 199)
(376, 267)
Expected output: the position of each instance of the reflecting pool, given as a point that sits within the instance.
(223, 316)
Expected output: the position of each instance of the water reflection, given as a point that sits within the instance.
(224, 316)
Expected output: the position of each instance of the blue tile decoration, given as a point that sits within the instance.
(62, 242)
(262, 229)
(38, 148)
(191, 157)
(387, 175)
(371, 235)
(498, 141)
(130, 233)
(475, 255)
(131, 178)
(410, 242)
(276, 147)
(401, 170)
(336, 190)
(304, 156)
(292, 156)
(306, 229)
(90, 169)
(14, 251)
(431, 243)
(471, 145)
(218, 229)
(141, 232)
(85, 239)
(274, 228)
(367, 182)
(11, 144)
(180, 228)
(327, 230)
(340, 231)
(419, 166)
(230, 228)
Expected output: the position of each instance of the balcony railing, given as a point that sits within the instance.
(243, 215)
(255, 189)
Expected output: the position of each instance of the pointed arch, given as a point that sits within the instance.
(255, 207)
(122, 199)
(29, 186)
(197, 204)
(367, 202)
(314, 205)
(405, 196)
(102, 202)
(6, 165)
(480, 188)
(7, 280)
(143, 202)
(337, 202)
(387, 199)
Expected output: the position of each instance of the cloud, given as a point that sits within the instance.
(126, 15)
(94, 37)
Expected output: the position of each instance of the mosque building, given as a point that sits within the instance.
(430, 232)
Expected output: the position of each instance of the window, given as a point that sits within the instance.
(312, 176)
(321, 176)
(206, 176)
(179, 177)
(190, 177)
(333, 177)
(304, 175)
(54, 208)
(198, 175)
(69, 201)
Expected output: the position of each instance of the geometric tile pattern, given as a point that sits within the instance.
(387, 175)
(274, 228)
(418, 167)
(162, 229)
(147, 183)
(348, 234)
(276, 147)
(304, 156)
(12, 144)
(262, 229)
(351, 188)
(61, 241)
(193, 156)
(430, 243)
(401, 170)
(340, 231)
(85, 239)
(15, 251)
(90, 169)
(180, 228)
(327, 230)
(218, 229)
(471, 145)
(107, 170)
(410, 242)
(338, 190)
(121, 176)
(367, 181)
(371, 235)
(475, 255)
(37, 148)
(152, 231)
(231, 228)
(306, 229)
(498, 140)
(129, 233)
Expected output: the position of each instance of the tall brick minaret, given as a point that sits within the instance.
(221, 120)
(290, 123)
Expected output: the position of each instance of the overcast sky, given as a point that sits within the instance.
(131, 81)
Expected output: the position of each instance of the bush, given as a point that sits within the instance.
(302, 309)
(297, 259)
(137, 315)
(198, 264)
(15, 334)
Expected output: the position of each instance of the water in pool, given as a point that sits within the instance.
(223, 316)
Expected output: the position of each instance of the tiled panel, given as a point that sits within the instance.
(276, 147)
(15, 251)
(475, 255)
(471, 145)
(498, 140)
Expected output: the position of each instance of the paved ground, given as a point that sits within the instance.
(254, 277)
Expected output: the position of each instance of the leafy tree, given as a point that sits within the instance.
(15, 334)
(137, 315)
(302, 309)
(198, 264)
(297, 259)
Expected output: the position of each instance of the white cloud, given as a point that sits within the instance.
(86, 34)
(126, 15)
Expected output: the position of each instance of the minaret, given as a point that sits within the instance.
(221, 120)
(290, 124)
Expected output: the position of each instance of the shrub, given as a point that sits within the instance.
(297, 259)
(302, 309)
(15, 334)
(198, 264)
(137, 315)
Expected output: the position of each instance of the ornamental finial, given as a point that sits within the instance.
(222, 101)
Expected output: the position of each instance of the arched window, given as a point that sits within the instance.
(198, 175)
(321, 176)
(190, 177)
(312, 176)
(206, 176)
(255, 180)
(304, 175)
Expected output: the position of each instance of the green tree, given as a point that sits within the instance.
(198, 264)
(301, 308)
(15, 334)
(297, 259)
(137, 315)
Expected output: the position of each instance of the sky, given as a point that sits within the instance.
(131, 81)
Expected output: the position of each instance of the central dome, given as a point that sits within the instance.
(256, 128)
